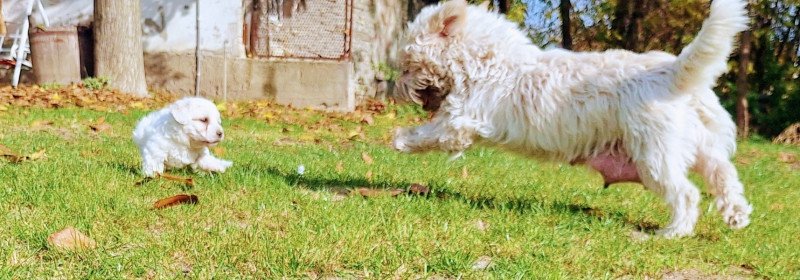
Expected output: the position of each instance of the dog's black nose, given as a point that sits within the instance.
(219, 133)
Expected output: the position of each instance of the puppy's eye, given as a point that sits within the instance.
(203, 120)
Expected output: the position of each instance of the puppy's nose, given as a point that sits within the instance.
(219, 133)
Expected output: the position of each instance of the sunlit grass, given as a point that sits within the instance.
(263, 220)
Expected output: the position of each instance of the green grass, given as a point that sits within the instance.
(262, 220)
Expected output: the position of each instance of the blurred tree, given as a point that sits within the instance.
(118, 45)
(566, 26)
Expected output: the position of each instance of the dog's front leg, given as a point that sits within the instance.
(435, 134)
(209, 162)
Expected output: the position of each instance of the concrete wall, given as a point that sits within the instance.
(326, 85)
(169, 40)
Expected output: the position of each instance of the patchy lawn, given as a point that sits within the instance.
(489, 215)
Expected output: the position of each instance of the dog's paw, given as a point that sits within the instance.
(737, 216)
(674, 232)
(214, 165)
(151, 169)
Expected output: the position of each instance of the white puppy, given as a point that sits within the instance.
(180, 135)
(646, 118)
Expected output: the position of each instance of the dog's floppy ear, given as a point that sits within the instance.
(181, 111)
(451, 18)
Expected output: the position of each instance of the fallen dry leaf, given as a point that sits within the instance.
(186, 181)
(418, 189)
(70, 239)
(464, 172)
(175, 200)
(13, 157)
(367, 159)
(9, 154)
(367, 119)
(368, 175)
(367, 192)
(787, 158)
(37, 155)
(40, 124)
(340, 167)
(219, 151)
(481, 225)
(482, 263)
(100, 125)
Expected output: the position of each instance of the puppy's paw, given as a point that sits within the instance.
(152, 168)
(214, 164)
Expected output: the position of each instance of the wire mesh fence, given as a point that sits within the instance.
(319, 29)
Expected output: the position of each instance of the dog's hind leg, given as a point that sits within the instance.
(152, 163)
(723, 183)
(681, 196)
(664, 171)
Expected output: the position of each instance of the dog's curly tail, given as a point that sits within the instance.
(705, 59)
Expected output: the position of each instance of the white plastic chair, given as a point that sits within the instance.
(19, 49)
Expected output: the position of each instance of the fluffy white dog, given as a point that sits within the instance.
(180, 135)
(647, 118)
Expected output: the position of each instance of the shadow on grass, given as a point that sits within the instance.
(518, 205)
(122, 167)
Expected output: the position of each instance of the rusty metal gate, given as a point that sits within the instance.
(307, 29)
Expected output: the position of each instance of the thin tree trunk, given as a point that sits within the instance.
(504, 6)
(566, 31)
(634, 29)
(619, 25)
(743, 87)
(259, 29)
(118, 45)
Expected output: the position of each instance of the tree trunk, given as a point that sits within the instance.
(259, 29)
(619, 25)
(566, 32)
(634, 29)
(503, 6)
(118, 45)
(743, 87)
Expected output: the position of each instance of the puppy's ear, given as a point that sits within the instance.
(181, 111)
(451, 18)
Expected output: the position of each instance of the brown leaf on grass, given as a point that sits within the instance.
(100, 125)
(37, 155)
(186, 181)
(13, 157)
(367, 192)
(70, 239)
(787, 158)
(368, 120)
(464, 172)
(358, 132)
(10, 155)
(340, 167)
(175, 200)
(368, 175)
(418, 189)
(367, 159)
(481, 225)
(39, 124)
(219, 151)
